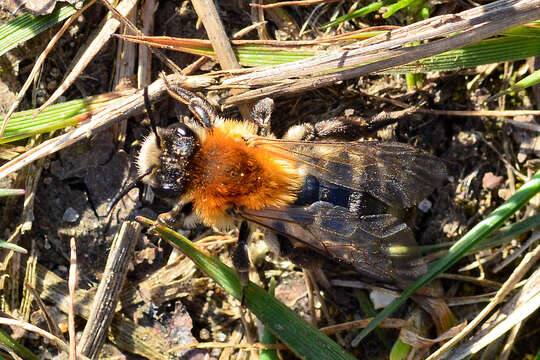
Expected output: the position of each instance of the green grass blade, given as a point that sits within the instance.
(11, 192)
(498, 238)
(23, 124)
(267, 336)
(507, 48)
(10, 246)
(27, 26)
(368, 9)
(302, 338)
(17, 348)
(400, 350)
(524, 83)
(392, 9)
(508, 233)
(368, 311)
(461, 248)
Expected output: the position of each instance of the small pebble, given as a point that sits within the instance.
(491, 181)
(380, 299)
(424, 205)
(466, 139)
(70, 215)
(204, 334)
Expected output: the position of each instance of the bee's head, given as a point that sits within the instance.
(166, 159)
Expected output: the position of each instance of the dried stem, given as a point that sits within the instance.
(103, 307)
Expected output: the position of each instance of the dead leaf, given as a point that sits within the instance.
(415, 340)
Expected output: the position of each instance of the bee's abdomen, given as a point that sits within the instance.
(358, 202)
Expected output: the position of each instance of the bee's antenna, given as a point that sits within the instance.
(127, 189)
(150, 113)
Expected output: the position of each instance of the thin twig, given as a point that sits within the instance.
(121, 16)
(528, 261)
(533, 238)
(144, 71)
(32, 328)
(53, 327)
(389, 323)
(292, 3)
(207, 12)
(87, 53)
(72, 285)
(220, 345)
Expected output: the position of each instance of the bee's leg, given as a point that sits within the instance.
(202, 109)
(240, 255)
(171, 218)
(261, 113)
(332, 128)
(304, 258)
(311, 264)
(241, 262)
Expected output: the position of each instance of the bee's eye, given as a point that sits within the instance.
(166, 190)
(182, 130)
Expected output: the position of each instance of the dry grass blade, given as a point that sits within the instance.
(216, 345)
(292, 3)
(535, 236)
(25, 305)
(126, 55)
(124, 20)
(29, 327)
(123, 332)
(122, 108)
(169, 282)
(207, 12)
(389, 323)
(53, 326)
(387, 50)
(72, 285)
(526, 303)
(144, 70)
(39, 63)
(106, 298)
(528, 261)
(411, 338)
(89, 51)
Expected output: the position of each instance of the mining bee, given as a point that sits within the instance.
(342, 200)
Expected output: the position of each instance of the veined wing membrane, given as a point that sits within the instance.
(379, 246)
(398, 174)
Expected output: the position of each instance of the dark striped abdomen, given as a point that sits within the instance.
(358, 202)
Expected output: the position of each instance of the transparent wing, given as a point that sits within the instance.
(379, 246)
(397, 174)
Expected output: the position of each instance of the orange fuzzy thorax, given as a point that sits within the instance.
(228, 173)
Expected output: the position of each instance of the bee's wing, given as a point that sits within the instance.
(398, 174)
(380, 246)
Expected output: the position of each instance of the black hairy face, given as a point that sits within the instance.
(178, 144)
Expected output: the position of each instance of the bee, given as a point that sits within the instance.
(341, 200)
